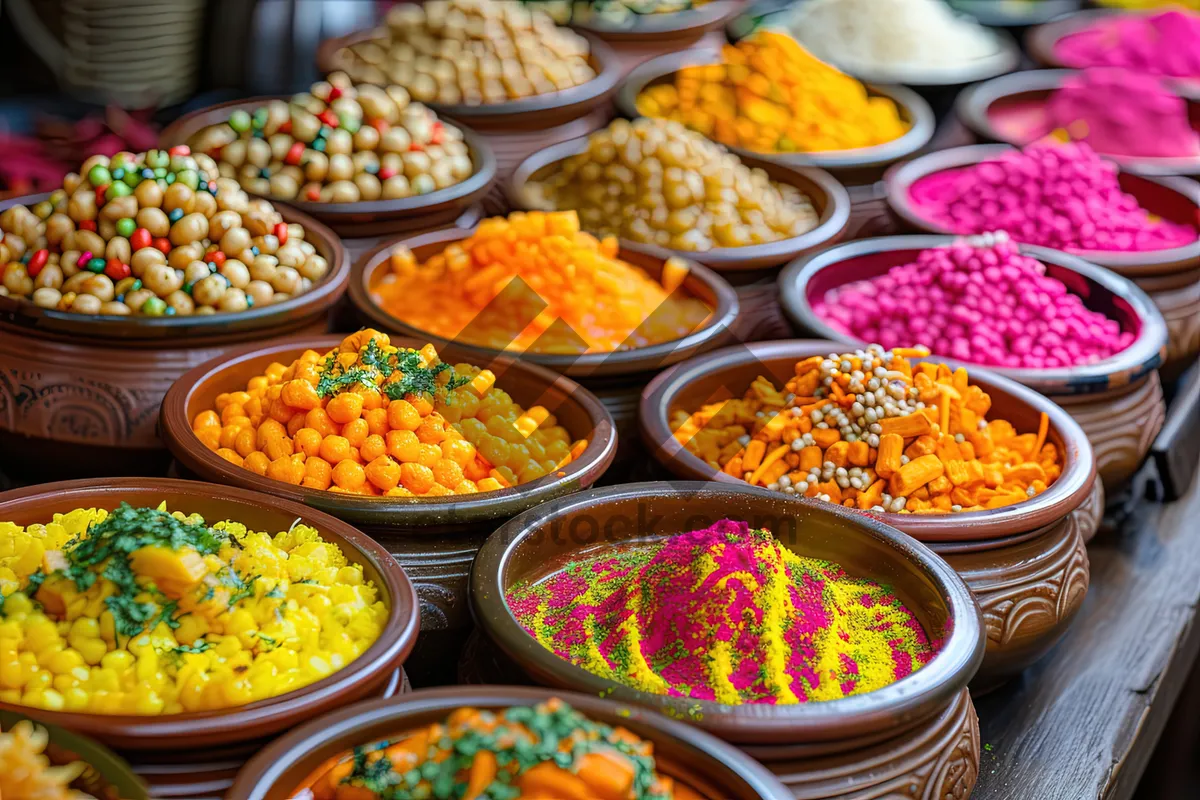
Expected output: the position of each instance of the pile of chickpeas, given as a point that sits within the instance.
(656, 182)
(153, 234)
(338, 143)
(470, 52)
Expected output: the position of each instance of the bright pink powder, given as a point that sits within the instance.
(986, 305)
(1054, 195)
(1165, 43)
(1123, 113)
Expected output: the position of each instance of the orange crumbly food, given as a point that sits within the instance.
(873, 431)
(369, 418)
(535, 282)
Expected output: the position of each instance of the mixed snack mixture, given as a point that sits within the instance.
(656, 182)
(153, 234)
(871, 430)
(470, 52)
(548, 751)
(27, 773)
(725, 614)
(373, 419)
(338, 143)
(610, 13)
(534, 282)
(978, 300)
(145, 611)
(769, 95)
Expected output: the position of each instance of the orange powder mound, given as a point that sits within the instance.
(534, 281)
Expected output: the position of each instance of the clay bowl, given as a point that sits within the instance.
(81, 393)
(365, 218)
(616, 378)
(1118, 401)
(1015, 13)
(1011, 109)
(1170, 276)
(857, 166)
(752, 270)
(435, 541)
(693, 758)
(189, 737)
(651, 35)
(796, 741)
(1026, 563)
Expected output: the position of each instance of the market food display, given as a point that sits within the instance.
(470, 52)
(534, 282)
(1123, 113)
(656, 182)
(769, 95)
(979, 300)
(374, 419)
(338, 143)
(548, 751)
(871, 430)
(145, 611)
(1161, 43)
(153, 234)
(725, 614)
(882, 37)
(1054, 194)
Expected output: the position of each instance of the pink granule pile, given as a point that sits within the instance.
(1123, 113)
(978, 300)
(1164, 43)
(1060, 195)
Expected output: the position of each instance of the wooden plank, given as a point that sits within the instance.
(1083, 722)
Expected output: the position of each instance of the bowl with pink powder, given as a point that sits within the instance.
(1162, 42)
(1143, 122)
(757, 615)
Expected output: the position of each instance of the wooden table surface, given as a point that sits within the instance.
(1083, 722)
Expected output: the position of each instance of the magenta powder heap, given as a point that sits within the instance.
(978, 300)
(1162, 43)
(1059, 195)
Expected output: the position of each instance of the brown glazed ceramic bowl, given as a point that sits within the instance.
(752, 270)
(857, 166)
(80, 394)
(794, 741)
(434, 540)
(1011, 109)
(364, 218)
(648, 36)
(1171, 276)
(616, 378)
(1030, 557)
(1118, 401)
(189, 736)
(701, 762)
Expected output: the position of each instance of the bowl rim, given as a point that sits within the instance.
(1062, 497)
(1013, 17)
(603, 59)
(390, 512)
(322, 296)
(694, 19)
(931, 686)
(587, 365)
(917, 108)
(482, 159)
(259, 775)
(899, 181)
(1042, 40)
(165, 732)
(1142, 357)
(832, 223)
(973, 102)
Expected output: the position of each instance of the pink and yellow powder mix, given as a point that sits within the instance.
(725, 614)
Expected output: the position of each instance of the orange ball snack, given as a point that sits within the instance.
(872, 431)
(369, 418)
(535, 282)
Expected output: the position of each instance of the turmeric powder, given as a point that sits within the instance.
(875, 431)
(770, 95)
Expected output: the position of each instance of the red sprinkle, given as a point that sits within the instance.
(329, 118)
(387, 172)
(381, 125)
(281, 232)
(295, 153)
(286, 127)
(334, 93)
(217, 258)
(37, 262)
(437, 133)
(88, 225)
(141, 239)
(180, 150)
(116, 270)
(100, 190)
(415, 148)
(163, 244)
(314, 194)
